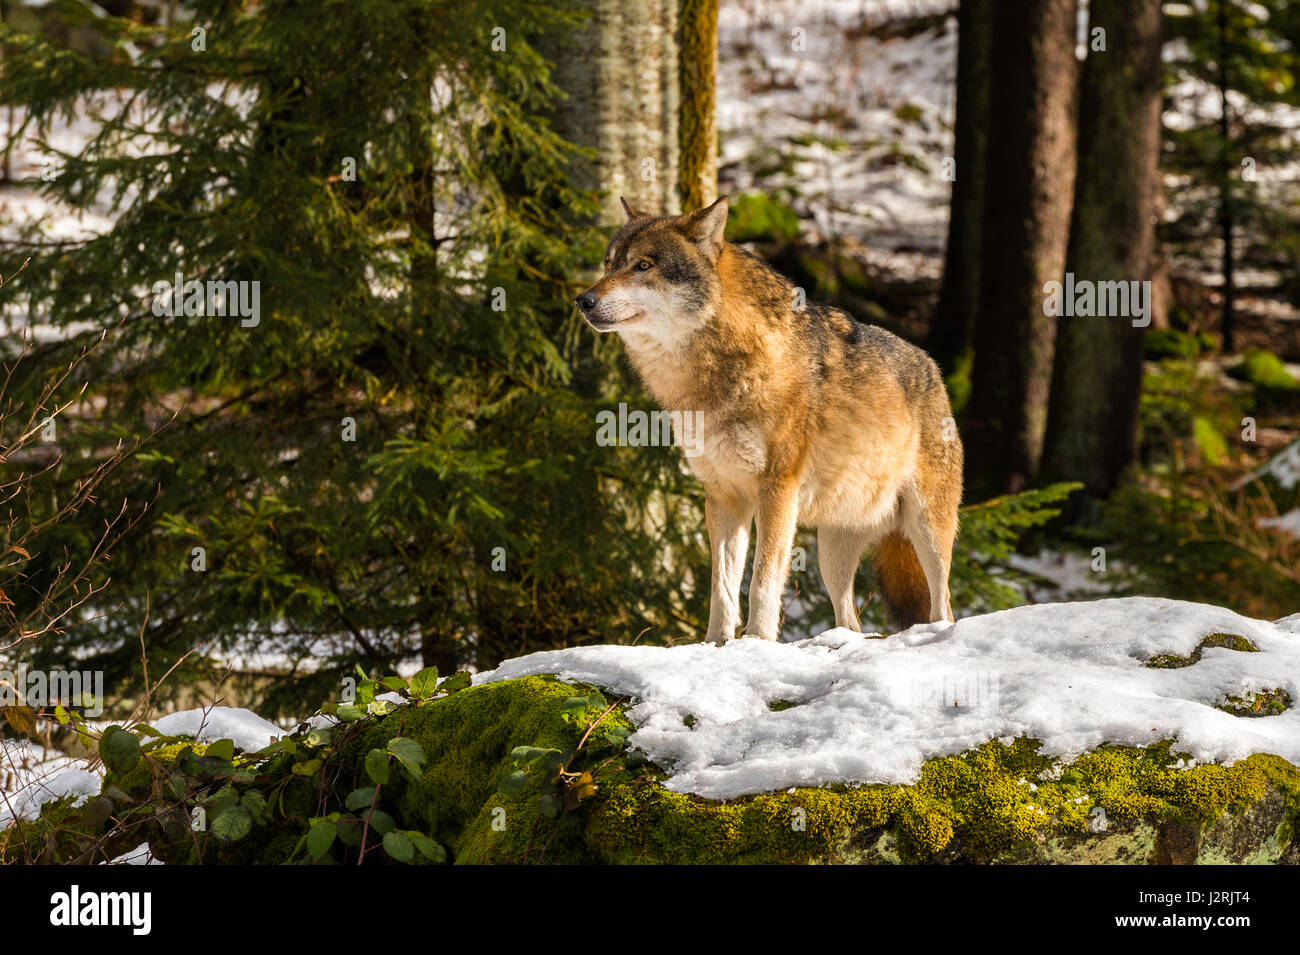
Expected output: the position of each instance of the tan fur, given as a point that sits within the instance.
(804, 417)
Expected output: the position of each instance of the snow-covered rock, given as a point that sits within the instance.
(871, 710)
(245, 728)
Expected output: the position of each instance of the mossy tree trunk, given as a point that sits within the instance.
(954, 317)
(1027, 198)
(1097, 376)
(697, 125)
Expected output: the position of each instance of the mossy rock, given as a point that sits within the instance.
(1225, 641)
(998, 803)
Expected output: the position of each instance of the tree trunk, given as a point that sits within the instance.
(1225, 187)
(697, 41)
(1097, 375)
(1030, 184)
(954, 317)
(630, 74)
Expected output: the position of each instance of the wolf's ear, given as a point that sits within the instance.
(630, 210)
(706, 227)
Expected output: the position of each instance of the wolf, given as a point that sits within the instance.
(804, 416)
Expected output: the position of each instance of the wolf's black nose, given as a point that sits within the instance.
(586, 301)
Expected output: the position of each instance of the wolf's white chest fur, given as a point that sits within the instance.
(731, 453)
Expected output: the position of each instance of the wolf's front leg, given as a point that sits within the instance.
(777, 506)
(728, 521)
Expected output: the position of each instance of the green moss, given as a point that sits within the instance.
(638, 821)
(467, 739)
(1161, 343)
(1265, 370)
(1228, 641)
(995, 803)
(959, 381)
(757, 217)
(697, 37)
(909, 113)
(1214, 450)
(1272, 702)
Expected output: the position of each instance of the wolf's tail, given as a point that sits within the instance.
(901, 581)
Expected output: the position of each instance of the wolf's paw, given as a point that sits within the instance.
(760, 636)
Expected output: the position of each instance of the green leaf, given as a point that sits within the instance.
(256, 805)
(377, 766)
(394, 683)
(550, 805)
(427, 847)
(458, 681)
(425, 683)
(359, 798)
(119, 750)
(349, 830)
(306, 767)
(381, 822)
(399, 846)
(410, 753)
(320, 837)
(349, 713)
(513, 783)
(232, 825)
(223, 749)
(530, 754)
(223, 799)
(381, 707)
(320, 736)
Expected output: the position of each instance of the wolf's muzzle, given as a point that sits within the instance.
(587, 303)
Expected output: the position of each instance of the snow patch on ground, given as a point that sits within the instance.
(1066, 575)
(873, 710)
(861, 143)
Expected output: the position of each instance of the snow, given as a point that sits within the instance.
(31, 776)
(245, 728)
(1288, 523)
(842, 127)
(140, 855)
(872, 710)
(1066, 575)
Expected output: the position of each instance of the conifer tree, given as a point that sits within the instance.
(390, 451)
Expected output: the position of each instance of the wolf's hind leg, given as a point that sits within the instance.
(932, 530)
(839, 551)
(728, 523)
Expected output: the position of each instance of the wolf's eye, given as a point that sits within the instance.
(645, 265)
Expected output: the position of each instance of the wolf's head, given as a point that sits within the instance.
(661, 278)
